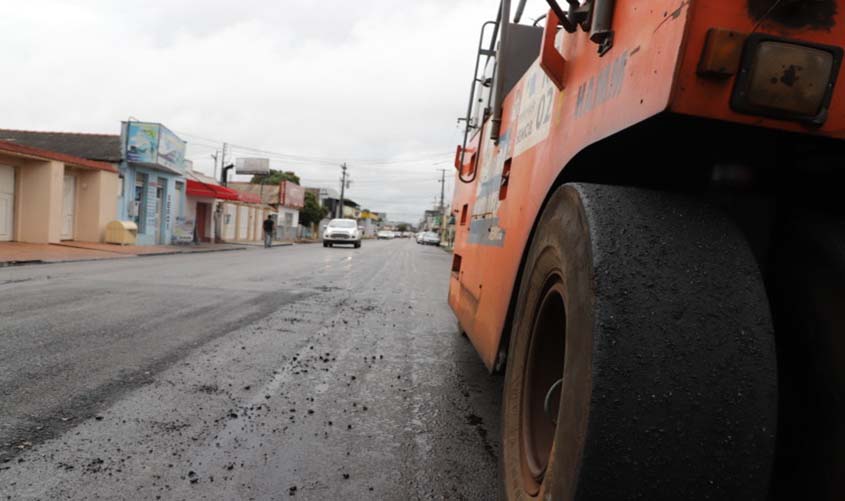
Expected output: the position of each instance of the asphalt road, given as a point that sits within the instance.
(262, 374)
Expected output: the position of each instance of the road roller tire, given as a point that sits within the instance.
(650, 308)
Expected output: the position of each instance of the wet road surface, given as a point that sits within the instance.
(297, 372)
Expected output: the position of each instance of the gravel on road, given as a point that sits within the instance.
(299, 372)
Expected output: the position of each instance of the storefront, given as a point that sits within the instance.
(47, 197)
(204, 199)
(153, 181)
(284, 200)
(241, 220)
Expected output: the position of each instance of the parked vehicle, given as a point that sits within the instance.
(342, 231)
(650, 247)
(430, 238)
(385, 235)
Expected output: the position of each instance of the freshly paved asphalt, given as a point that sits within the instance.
(261, 374)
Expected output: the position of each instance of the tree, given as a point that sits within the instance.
(402, 227)
(275, 177)
(312, 212)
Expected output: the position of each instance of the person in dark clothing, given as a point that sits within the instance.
(269, 229)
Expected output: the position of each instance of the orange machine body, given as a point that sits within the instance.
(652, 68)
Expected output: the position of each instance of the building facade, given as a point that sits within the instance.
(149, 162)
(47, 197)
(286, 200)
(153, 184)
(202, 219)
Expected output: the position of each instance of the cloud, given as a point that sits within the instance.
(379, 83)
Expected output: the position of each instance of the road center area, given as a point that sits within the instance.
(262, 374)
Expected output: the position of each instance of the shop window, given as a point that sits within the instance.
(464, 212)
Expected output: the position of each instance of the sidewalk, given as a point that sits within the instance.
(16, 253)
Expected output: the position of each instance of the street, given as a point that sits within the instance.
(303, 371)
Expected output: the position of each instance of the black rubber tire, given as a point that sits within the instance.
(669, 370)
(325, 244)
(357, 245)
(809, 294)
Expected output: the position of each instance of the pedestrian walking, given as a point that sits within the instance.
(269, 229)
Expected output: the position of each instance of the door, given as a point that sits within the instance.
(243, 223)
(202, 219)
(159, 209)
(68, 208)
(7, 202)
(231, 215)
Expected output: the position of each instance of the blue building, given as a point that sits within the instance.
(152, 172)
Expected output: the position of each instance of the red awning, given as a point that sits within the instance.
(205, 190)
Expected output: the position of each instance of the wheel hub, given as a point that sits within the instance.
(543, 383)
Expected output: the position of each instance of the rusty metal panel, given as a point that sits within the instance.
(722, 53)
(542, 129)
(809, 22)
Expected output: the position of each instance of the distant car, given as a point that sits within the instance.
(418, 237)
(385, 235)
(342, 231)
(430, 238)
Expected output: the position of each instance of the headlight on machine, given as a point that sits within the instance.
(787, 80)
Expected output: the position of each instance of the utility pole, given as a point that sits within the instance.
(215, 206)
(218, 209)
(222, 164)
(342, 190)
(442, 206)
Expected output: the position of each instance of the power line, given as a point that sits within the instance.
(316, 159)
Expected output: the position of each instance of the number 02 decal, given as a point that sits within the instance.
(535, 109)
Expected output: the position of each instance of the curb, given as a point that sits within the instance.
(280, 244)
(10, 264)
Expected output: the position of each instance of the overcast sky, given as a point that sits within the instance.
(378, 83)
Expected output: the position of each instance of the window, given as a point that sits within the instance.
(343, 223)
(464, 214)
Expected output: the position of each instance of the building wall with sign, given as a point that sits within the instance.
(151, 199)
(153, 181)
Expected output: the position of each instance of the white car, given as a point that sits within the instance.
(385, 235)
(430, 238)
(342, 231)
